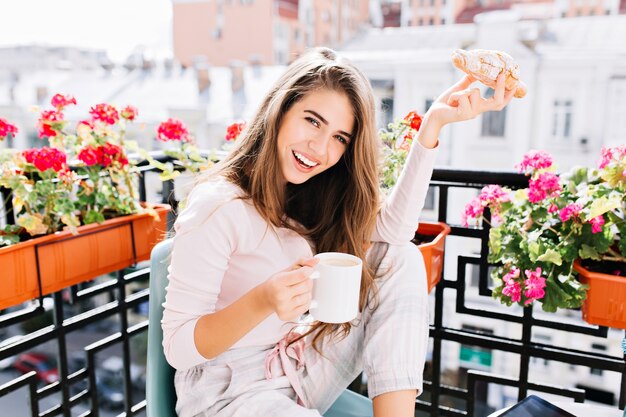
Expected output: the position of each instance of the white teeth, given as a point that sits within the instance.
(304, 160)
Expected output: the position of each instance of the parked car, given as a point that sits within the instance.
(7, 363)
(44, 366)
(114, 366)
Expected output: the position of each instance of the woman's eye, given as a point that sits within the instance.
(313, 121)
(341, 139)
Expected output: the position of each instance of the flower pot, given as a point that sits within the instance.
(433, 251)
(604, 304)
(62, 259)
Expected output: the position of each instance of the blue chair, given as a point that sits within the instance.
(160, 393)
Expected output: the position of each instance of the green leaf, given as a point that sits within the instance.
(589, 252)
(602, 205)
(534, 249)
(555, 296)
(552, 256)
(33, 224)
(495, 240)
(93, 217)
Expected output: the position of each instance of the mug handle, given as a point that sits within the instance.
(315, 275)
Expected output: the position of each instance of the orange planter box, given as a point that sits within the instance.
(604, 305)
(433, 251)
(63, 259)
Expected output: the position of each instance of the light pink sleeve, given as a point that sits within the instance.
(398, 218)
(207, 233)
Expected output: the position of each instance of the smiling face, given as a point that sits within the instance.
(314, 134)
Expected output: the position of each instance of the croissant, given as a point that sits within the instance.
(485, 65)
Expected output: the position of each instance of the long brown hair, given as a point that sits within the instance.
(336, 209)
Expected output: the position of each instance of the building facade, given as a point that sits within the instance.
(265, 31)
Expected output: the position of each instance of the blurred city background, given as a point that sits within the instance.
(209, 63)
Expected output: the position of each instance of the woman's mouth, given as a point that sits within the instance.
(303, 162)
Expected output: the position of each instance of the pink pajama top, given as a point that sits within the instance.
(223, 248)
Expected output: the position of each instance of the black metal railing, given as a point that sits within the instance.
(99, 317)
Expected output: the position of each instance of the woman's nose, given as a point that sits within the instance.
(319, 144)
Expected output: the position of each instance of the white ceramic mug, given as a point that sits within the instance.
(336, 287)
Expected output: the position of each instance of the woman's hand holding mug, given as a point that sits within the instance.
(289, 292)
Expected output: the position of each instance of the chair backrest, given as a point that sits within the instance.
(160, 393)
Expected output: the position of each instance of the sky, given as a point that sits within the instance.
(119, 26)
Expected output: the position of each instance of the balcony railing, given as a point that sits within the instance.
(88, 323)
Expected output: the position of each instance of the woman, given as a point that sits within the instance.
(303, 180)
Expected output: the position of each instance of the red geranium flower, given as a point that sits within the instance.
(414, 120)
(46, 158)
(89, 155)
(59, 101)
(46, 121)
(103, 155)
(129, 113)
(105, 113)
(233, 131)
(173, 129)
(6, 128)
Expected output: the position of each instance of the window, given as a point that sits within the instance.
(616, 109)
(596, 347)
(562, 119)
(427, 103)
(384, 91)
(386, 109)
(543, 339)
(429, 201)
(493, 122)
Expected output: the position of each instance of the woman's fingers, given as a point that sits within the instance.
(498, 94)
(464, 105)
(460, 85)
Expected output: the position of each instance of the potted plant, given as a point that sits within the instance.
(75, 204)
(429, 236)
(546, 237)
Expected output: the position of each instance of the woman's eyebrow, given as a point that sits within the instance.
(319, 116)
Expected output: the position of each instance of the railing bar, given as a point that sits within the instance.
(58, 316)
(93, 387)
(599, 331)
(125, 342)
(96, 289)
(17, 383)
(20, 315)
(622, 397)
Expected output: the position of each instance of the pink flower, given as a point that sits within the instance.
(474, 209)
(104, 113)
(552, 208)
(534, 160)
(129, 113)
(570, 211)
(60, 101)
(545, 185)
(596, 224)
(512, 274)
(6, 128)
(46, 121)
(493, 194)
(233, 131)
(609, 155)
(535, 285)
(173, 130)
(513, 290)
